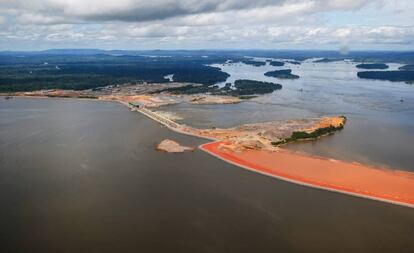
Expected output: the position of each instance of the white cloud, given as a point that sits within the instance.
(204, 24)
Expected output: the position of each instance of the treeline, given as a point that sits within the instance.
(276, 63)
(302, 135)
(327, 60)
(250, 87)
(394, 76)
(282, 74)
(372, 66)
(34, 72)
(242, 89)
(254, 63)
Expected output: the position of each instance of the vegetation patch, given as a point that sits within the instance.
(243, 88)
(372, 66)
(282, 74)
(325, 60)
(81, 72)
(302, 135)
(393, 76)
(250, 87)
(276, 63)
(248, 97)
(254, 63)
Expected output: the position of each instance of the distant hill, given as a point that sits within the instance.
(405, 57)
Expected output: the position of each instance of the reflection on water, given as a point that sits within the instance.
(380, 113)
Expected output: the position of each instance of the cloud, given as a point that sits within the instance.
(144, 10)
(206, 23)
(129, 10)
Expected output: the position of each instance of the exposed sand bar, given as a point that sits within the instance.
(390, 186)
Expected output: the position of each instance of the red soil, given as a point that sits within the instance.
(391, 186)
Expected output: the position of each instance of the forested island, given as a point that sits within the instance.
(254, 63)
(282, 74)
(372, 66)
(251, 87)
(242, 87)
(394, 76)
(323, 60)
(276, 63)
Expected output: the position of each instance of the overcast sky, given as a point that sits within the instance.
(207, 24)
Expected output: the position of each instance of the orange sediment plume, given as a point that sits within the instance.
(391, 186)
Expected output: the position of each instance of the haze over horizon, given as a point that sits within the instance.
(208, 24)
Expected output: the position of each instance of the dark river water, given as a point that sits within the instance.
(83, 176)
(379, 130)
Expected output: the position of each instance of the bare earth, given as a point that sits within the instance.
(171, 146)
(211, 100)
(259, 136)
(145, 94)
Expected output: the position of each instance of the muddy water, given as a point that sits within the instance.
(83, 176)
(380, 113)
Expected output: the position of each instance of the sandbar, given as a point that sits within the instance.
(392, 186)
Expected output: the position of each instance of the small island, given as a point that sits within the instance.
(393, 76)
(276, 63)
(254, 63)
(171, 146)
(372, 66)
(251, 87)
(282, 74)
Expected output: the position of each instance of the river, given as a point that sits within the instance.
(83, 176)
(380, 113)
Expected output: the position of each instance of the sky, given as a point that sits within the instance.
(207, 24)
